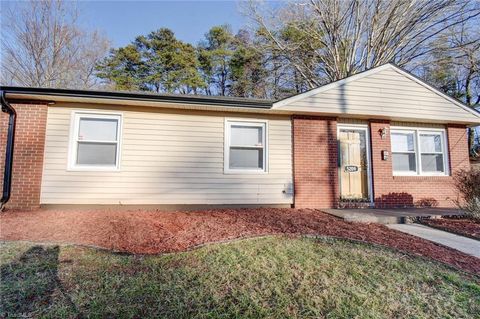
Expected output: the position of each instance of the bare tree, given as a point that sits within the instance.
(93, 47)
(43, 46)
(454, 67)
(466, 65)
(354, 35)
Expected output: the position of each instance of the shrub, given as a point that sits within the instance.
(426, 202)
(467, 183)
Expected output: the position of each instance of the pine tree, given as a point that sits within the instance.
(157, 62)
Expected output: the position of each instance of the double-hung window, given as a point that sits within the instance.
(245, 146)
(95, 142)
(404, 155)
(419, 152)
(432, 152)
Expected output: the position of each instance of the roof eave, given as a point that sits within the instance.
(365, 116)
(56, 94)
(86, 101)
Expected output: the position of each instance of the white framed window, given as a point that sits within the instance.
(95, 141)
(404, 157)
(245, 146)
(431, 152)
(419, 151)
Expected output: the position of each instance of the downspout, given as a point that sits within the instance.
(7, 174)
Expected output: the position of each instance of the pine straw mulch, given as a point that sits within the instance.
(458, 225)
(152, 232)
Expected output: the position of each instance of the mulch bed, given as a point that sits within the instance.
(151, 232)
(461, 226)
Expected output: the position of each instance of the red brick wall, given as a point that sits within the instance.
(315, 168)
(28, 154)
(315, 161)
(399, 191)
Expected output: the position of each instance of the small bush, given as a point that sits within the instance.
(467, 183)
(426, 202)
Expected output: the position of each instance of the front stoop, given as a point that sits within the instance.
(390, 216)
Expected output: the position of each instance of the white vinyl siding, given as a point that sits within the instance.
(386, 94)
(419, 151)
(167, 157)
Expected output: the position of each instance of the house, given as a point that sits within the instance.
(382, 137)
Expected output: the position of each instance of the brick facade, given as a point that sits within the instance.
(400, 191)
(28, 154)
(315, 155)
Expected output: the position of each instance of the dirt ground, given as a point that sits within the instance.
(151, 232)
(461, 226)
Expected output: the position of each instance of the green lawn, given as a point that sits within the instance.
(274, 277)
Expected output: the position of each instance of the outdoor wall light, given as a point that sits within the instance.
(383, 132)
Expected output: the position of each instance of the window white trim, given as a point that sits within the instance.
(227, 139)
(73, 140)
(417, 131)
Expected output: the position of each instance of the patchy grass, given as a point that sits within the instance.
(267, 277)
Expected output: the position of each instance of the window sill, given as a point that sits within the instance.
(93, 169)
(420, 177)
(244, 172)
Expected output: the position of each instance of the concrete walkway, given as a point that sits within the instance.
(463, 244)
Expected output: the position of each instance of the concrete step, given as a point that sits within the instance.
(365, 217)
(389, 216)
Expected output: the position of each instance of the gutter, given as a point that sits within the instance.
(144, 97)
(7, 175)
